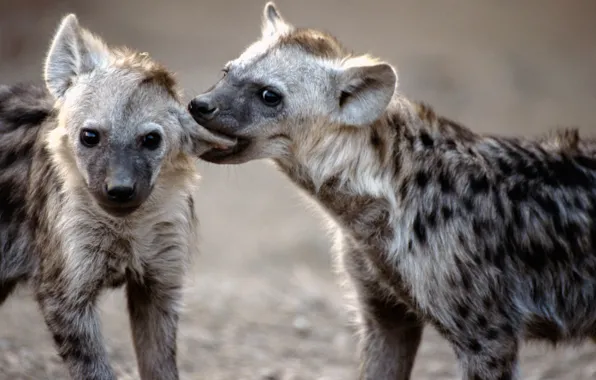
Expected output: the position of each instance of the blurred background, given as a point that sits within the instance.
(262, 301)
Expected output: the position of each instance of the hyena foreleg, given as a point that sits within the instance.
(68, 304)
(390, 333)
(390, 341)
(153, 303)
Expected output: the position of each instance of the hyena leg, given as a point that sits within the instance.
(389, 342)
(490, 354)
(498, 366)
(68, 307)
(390, 333)
(152, 305)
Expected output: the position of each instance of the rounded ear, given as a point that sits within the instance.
(196, 139)
(365, 90)
(273, 23)
(73, 51)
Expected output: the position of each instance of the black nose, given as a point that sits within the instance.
(201, 109)
(120, 193)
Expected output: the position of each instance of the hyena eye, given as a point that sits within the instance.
(89, 137)
(270, 98)
(151, 140)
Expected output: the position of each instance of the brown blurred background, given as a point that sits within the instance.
(262, 301)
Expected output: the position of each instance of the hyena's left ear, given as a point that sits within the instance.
(196, 139)
(273, 23)
(365, 88)
(74, 51)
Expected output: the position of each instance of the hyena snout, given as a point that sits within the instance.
(123, 189)
(120, 190)
(203, 108)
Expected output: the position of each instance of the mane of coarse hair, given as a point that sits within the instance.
(152, 71)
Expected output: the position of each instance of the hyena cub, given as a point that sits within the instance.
(96, 191)
(489, 239)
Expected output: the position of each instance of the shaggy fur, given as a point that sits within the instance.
(59, 226)
(489, 239)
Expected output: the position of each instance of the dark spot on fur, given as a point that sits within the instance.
(446, 213)
(504, 166)
(466, 281)
(478, 183)
(481, 321)
(427, 141)
(468, 202)
(450, 144)
(431, 219)
(507, 329)
(475, 346)
(419, 230)
(445, 182)
(487, 302)
(375, 139)
(492, 334)
(421, 179)
(463, 311)
(343, 98)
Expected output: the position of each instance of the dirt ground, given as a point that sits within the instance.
(262, 301)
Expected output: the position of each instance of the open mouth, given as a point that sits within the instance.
(219, 155)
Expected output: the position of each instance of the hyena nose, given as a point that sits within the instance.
(201, 109)
(120, 193)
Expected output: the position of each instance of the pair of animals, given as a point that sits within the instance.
(491, 240)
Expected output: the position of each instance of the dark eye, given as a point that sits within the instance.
(89, 138)
(225, 72)
(151, 140)
(270, 98)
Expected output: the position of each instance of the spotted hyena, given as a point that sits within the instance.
(489, 239)
(96, 191)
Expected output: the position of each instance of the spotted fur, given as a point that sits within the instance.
(489, 239)
(60, 232)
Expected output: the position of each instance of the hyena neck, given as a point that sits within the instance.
(356, 165)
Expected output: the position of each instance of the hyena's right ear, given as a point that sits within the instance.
(365, 88)
(273, 22)
(74, 51)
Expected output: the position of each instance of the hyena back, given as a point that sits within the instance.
(489, 239)
(97, 182)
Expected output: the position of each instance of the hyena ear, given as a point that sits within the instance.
(196, 139)
(365, 90)
(273, 22)
(73, 51)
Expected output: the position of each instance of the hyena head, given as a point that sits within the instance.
(120, 122)
(291, 85)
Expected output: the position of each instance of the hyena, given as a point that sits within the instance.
(98, 172)
(491, 240)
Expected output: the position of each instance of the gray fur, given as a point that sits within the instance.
(63, 233)
(491, 240)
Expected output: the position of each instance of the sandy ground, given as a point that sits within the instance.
(262, 301)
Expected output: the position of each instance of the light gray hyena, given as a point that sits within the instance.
(488, 239)
(96, 190)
